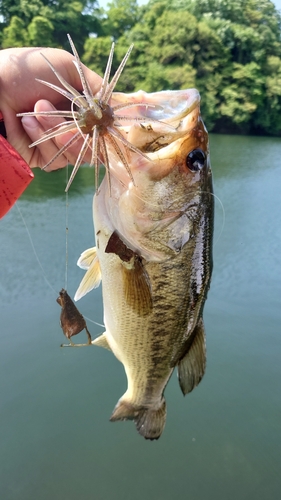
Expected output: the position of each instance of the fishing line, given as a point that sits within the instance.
(38, 260)
(92, 321)
(66, 230)
(34, 251)
(169, 211)
(66, 244)
(223, 218)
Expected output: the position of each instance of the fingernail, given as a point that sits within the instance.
(29, 122)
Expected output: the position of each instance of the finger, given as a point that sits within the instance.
(71, 153)
(61, 140)
(16, 136)
(73, 149)
(20, 68)
(52, 149)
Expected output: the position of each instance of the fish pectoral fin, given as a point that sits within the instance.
(150, 422)
(137, 287)
(191, 367)
(135, 278)
(91, 279)
(101, 341)
(86, 258)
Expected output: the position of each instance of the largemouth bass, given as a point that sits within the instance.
(154, 255)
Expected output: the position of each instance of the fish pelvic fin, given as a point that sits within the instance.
(101, 341)
(191, 367)
(88, 260)
(150, 422)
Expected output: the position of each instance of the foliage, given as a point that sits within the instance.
(14, 35)
(229, 49)
(121, 16)
(40, 28)
(96, 50)
(24, 20)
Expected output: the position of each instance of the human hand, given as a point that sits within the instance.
(20, 92)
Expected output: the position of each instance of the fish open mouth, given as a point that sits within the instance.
(167, 116)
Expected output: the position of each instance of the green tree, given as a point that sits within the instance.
(242, 97)
(121, 16)
(268, 116)
(73, 17)
(96, 51)
(40, 28)
(15, 34)
(8, 9)
(56, 18)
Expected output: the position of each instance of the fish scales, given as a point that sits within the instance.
(171, 289)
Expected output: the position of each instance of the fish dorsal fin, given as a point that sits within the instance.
(91, 279)
(86, 258)
(101, 341)
(191, 367)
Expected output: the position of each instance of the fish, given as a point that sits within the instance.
(153, 216)
(153, 256)
(71, 320)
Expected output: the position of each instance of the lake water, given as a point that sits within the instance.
(223, 441)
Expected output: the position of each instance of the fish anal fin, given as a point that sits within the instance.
(90, 281)
(101, 341)
(137, 287)
(150, 422)
(191, 367)
(86, 258)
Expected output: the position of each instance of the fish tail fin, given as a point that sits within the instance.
(150, 422)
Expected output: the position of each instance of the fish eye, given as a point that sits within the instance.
(195, 160)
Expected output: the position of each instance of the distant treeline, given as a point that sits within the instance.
(229, 49)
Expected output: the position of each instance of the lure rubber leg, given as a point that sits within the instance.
(71, 344)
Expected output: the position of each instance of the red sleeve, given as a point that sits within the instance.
(15, 175)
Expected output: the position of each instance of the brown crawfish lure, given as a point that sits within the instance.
(71, 320)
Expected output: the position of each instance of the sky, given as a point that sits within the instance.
(277, 4)
(103, 3)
